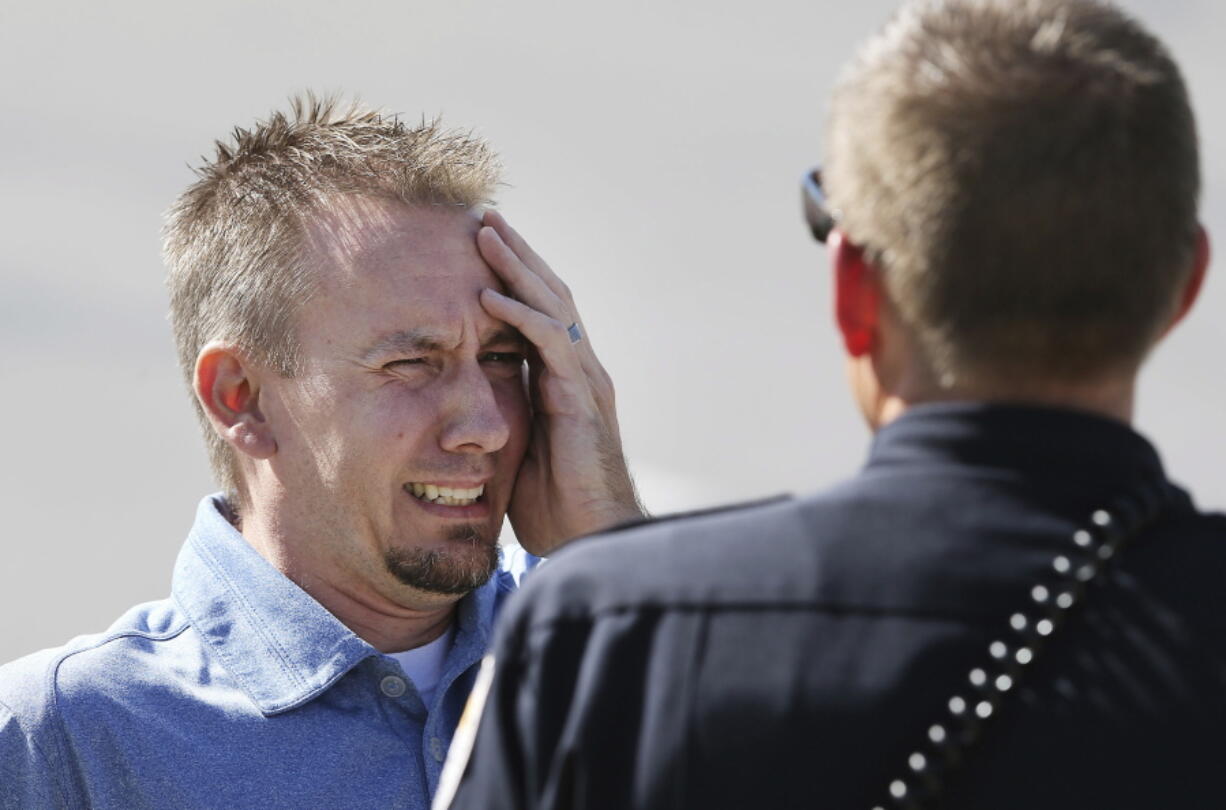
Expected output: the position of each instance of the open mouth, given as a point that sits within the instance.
(445, 496)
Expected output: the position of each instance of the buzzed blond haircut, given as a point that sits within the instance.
(1025, 174)
(234, 240)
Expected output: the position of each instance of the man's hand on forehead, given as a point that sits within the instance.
(574, 479)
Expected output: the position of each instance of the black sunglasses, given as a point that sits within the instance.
(813, 200)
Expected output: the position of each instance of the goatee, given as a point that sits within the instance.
(465, 564)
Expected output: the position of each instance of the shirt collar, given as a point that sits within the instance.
(1063, 448)
(281, 646)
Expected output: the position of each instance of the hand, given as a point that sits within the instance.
(573, 479)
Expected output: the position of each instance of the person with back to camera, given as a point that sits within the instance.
(1011, 605)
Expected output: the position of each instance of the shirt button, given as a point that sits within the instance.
(392, 686)
(436, 749)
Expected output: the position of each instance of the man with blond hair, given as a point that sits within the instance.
(1011, 606)
(383, 369)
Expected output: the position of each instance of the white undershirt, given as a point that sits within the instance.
(424, 664)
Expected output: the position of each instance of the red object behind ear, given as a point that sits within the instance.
(857, 296)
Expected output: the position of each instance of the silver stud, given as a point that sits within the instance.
(997, 649)
(1105, 552)
(1064, 601)
(937, 734)
(1024, 655)
(1061, 564)
(1018, 622)
(1082, 538)
(1044, 627)
(983, 709)
(978, 677)
(1086, 572)
(1101, 517)
(917, 762)
(1003, 683)
(957, 705)
(1039, 594)
(898, 788)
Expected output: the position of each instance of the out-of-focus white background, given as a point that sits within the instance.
(652, 148)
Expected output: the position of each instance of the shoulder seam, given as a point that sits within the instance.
(537, 621)
(53, 672)
(711, 511)
(175, 630)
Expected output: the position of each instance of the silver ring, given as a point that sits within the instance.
(576, 334)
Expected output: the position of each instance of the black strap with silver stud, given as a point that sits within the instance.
(966, 713)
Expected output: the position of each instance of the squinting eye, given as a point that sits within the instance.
(503, 358)
(408, 361)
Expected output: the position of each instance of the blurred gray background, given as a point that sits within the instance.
(652, 151)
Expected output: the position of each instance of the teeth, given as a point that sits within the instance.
(448, 496)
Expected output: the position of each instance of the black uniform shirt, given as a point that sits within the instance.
(793, 654)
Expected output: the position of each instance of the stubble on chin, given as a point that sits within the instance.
(464, 564)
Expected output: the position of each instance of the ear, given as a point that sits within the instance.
(1191, 289)
(229, 392)
(857, 295)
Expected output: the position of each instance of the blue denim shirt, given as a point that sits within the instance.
(238, 691)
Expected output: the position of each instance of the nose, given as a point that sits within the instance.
(475, 422)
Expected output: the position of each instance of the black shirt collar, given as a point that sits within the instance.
(1065, 447)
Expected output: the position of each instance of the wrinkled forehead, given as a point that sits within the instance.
(382, 266)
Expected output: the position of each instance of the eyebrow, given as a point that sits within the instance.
(408, 341)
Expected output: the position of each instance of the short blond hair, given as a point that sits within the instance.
(1025, 174)
(234, 240)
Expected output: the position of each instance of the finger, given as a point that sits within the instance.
(530, 289)
(527, 255)
(554, 351)
(526, 285)
(547, 334)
